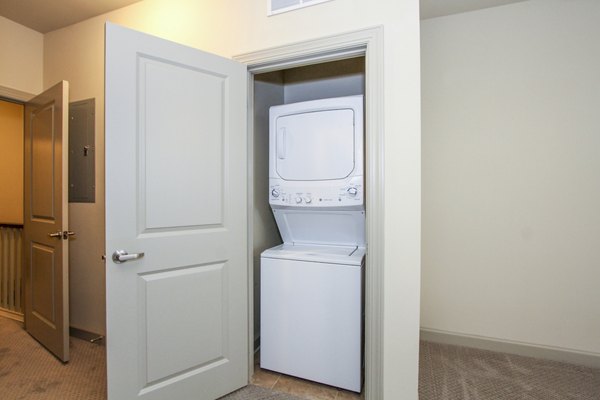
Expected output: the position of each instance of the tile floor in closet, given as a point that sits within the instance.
(298, 387)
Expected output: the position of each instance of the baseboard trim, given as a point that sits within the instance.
(86, 335)
(570, 356)
(12, 315)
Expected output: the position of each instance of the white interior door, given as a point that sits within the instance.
(46, 222)
(175, 192)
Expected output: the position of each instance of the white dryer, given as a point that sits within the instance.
(312, 285)
(316, 154)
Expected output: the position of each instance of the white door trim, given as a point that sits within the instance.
(15, 95)
(368, 43)
(18, 97)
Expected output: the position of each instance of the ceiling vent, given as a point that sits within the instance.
(281, 6)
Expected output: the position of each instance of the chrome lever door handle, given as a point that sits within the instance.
(120, 256)
(56, 234)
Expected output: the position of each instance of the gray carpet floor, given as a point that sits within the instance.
(462, 373)
(28, 371)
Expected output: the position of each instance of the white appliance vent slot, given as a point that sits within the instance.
(281, 6)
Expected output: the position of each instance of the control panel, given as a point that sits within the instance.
(319, 195)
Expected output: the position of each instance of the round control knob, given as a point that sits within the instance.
(352, 191)
(308, 200)
(298, 200)
(275, 193)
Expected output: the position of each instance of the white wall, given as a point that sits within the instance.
(511, 174)
(233, 27)
(21, 63)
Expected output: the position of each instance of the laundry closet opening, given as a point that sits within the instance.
(343, 82)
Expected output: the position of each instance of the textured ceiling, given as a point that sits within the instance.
(48, 15)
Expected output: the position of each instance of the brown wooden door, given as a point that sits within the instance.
(46, 258)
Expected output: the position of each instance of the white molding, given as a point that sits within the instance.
(250, 224)
(331, 48)
(14, 94)
(368, 43)
(588, 359)
(374, 94)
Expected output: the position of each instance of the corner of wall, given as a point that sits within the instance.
(21, 64)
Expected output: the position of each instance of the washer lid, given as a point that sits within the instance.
(346, 255)
(320, 227)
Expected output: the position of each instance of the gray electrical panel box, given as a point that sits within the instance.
(82, 152)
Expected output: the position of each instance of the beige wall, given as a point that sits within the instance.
(234, 27)
(21, 63)
(80, 60)
(11, 163)
(511, 174)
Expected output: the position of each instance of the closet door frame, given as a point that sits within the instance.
(367, 43)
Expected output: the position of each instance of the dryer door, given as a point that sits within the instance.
(315, 146)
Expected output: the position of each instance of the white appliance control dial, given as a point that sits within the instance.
(352, 191)
(275, 193)
(298, 200)
(308, 200)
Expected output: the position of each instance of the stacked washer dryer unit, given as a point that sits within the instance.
(312, 284)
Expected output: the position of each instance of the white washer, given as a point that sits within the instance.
(312, 285)
(312, 313)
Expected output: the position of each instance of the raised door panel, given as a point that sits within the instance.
(43, 177)
(42, 272)
(180, 145)
(191, 339)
